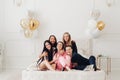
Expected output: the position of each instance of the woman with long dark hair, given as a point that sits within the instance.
(61, 60)
(47, 54)
(53, 41)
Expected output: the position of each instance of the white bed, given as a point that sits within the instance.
(31, 72)
(60, 75)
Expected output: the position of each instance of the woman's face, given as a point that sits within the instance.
(52, 39)
(59, 46)
(47, 45)
(66, 37)
(69, 51)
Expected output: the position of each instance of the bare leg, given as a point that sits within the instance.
(64, 62)
(42, 66)
(48, 65)
(67, 68)
(53, 66)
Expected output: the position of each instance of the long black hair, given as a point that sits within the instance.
(50, 52)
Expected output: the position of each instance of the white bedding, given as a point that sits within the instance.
(31, 72)
(63, 75)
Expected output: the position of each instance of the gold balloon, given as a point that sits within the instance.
(33, 24)
(100, 25)
(28, 33)
(29, 25)
(24, 23)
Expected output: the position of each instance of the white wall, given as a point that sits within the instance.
(56, 17)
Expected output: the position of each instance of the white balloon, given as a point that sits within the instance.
(88, 33)
(92, 24)
(95, 33)
(28, 33)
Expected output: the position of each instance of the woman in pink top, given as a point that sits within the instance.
(61, 58)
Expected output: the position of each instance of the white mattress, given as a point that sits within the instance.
(63, 75)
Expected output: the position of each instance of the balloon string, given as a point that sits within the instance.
(34, 5)
(93, 4)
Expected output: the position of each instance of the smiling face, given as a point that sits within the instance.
(66, 37)
(52, 39)
(69, 50)
(47, 45)
(59, 46)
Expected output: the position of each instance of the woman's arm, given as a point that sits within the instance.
(74, 47)
(51, 62)
(43, 54)
(55, 57)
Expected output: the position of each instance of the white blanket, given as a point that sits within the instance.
(83, 47)
(63, 75)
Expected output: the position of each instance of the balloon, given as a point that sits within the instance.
(24, 23)
(95, 33)
(29, 25)
(33, 24)
(100, 25)
(28, 33)
(92, 24)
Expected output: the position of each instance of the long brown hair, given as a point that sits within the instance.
(69, 40)
(55, 44)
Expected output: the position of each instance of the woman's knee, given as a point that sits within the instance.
(92, 58)
(42, 65)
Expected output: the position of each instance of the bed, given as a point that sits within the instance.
(63, 75)
(31, 72)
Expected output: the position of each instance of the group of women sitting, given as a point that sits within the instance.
(62, 55)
